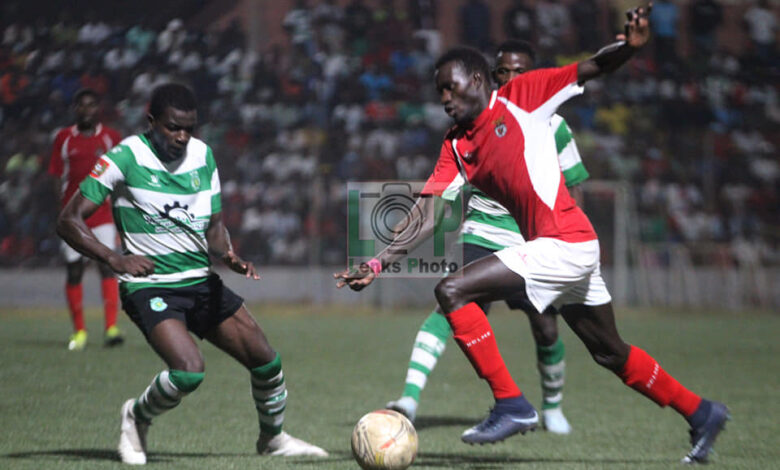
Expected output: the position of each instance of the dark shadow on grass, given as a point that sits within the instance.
(485, 462)
(425, 422)
(111, 455)
(152, 457)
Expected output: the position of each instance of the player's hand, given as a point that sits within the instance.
(356, 278)
(135, 265)
(240, 266)
(637, 27)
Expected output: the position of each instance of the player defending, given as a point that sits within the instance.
(166, 196)
(489, 228)
(502, 144)
(75, 151)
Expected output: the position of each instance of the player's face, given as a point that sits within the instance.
(172, 130)
(459, 92)
(86, 111)
(509, 65)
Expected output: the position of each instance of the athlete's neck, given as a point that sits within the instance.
(86, 128)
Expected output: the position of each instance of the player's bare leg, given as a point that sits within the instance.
(552, 368)
(241, 337)
(485, 280)
(595, 325)
(74, 294)
(173, 343)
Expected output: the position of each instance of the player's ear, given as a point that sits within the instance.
(478, 79)
(150, 118)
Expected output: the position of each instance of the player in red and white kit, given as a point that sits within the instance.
(502, 143)
(75, 151)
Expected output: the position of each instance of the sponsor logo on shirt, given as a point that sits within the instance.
(100, 167)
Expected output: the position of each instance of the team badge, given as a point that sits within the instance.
(157, 304)
(100, 167)
(194, 179)
(500, 127)
(154, 180)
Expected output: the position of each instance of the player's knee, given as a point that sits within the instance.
(612, 360)
(449, 294)
(186, 381)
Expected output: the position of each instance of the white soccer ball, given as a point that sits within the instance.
(384, 440)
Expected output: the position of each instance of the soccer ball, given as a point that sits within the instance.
(384, 440)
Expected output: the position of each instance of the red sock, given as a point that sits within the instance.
(74, 295)
(642, 373)
(475, 337)
(110, 288)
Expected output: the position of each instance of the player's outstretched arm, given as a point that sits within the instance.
(72, 229)
(611, 57)
(218, 238)
(425, 218)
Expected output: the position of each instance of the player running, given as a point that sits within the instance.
(502, 144)
(488, 228)
(74, 153)
(166, 197)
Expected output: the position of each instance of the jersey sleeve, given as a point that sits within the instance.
(542, 91)
(574, 171)
(108, 171)
(216, 188)
(56, 165)
(446, 180)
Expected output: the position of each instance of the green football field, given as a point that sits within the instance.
(60, 409)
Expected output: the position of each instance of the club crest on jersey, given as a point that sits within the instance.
(194, 179)
(100, 167)
(154, 180)
(500, 127)
(157, 304)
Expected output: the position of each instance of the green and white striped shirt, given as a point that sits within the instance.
(490, 225)
(159, 214)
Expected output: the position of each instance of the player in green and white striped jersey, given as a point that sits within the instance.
(488, 227)
(165, 194)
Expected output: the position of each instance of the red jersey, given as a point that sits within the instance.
(73, 157)
(509, 153)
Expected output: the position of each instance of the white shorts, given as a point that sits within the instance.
(106, 234)
(557, 272)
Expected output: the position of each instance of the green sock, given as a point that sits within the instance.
(165, 393)
(429, 344)
(270, 395)
(551, 368)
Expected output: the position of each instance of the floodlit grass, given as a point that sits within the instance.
(60, 409)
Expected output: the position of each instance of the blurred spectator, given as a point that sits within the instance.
(475, 24)
(761, 24)
(663, 21)
(705, 18)
(520, 21)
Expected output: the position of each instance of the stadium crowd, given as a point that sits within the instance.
(349, 97)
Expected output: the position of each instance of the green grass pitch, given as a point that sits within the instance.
(61, 410)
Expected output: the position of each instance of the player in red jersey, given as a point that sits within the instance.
(502, 144)
(75, 151)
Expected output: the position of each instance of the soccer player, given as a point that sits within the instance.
(75, 151)
(166, 198)
(489, 228)
(502, 144)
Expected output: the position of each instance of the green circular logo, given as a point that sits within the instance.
(158, 304)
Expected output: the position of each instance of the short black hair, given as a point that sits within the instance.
(517, 46)
(175, 95)
(471, 59)
(82, 92)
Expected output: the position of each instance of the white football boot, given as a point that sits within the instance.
(555, 422)
(132, 440)
(407, 406)
(285, 445)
